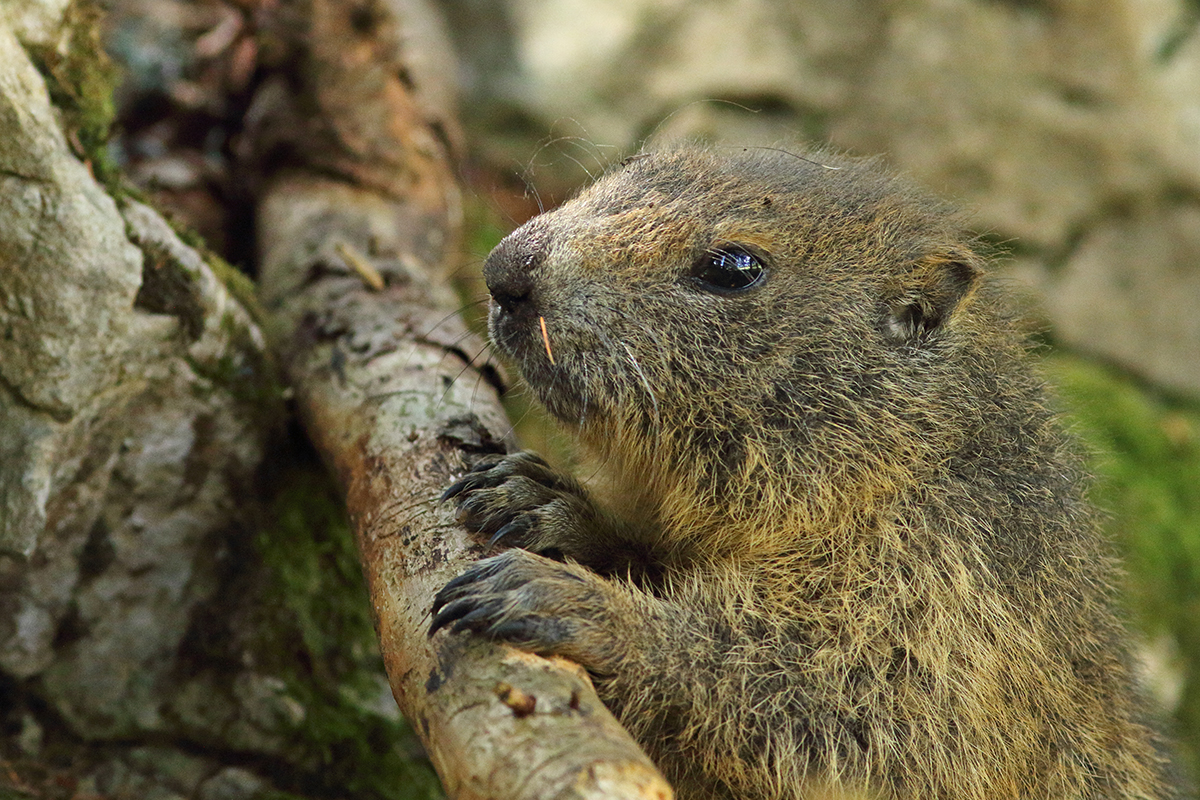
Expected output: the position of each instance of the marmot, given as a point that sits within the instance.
(833, 538)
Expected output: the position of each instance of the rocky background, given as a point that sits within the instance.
(1071, 127)
(181, 612)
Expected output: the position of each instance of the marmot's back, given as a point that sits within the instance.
(834, 536)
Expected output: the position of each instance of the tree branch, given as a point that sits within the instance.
(386, 388)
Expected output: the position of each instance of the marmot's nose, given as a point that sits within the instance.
(509, 270)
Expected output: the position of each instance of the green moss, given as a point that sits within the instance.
(310, 550)
(325, 638)
(1180, 32)
(81, 78)
(482, 228)
(167, 288)
(248, 373)
(1148, 462)
(239, 284)
(482, 231)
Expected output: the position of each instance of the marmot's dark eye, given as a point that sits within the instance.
(728, 268)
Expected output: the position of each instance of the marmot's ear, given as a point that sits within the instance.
(934, 288)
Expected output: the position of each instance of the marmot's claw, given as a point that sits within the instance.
(531, 602)
(476, 477)
(456, 588)
(520, 500)
(452, 612)
(452, 604)
(455, 489)
(521, 524)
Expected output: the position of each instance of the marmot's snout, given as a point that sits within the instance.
(510, 271)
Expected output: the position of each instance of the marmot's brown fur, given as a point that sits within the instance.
(832, 537)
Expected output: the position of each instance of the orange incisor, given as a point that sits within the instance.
(546, 339)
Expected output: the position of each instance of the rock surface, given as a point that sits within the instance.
(136, 402)
(124, 433)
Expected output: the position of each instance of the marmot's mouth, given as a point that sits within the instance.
(509, 332)
(550, 370)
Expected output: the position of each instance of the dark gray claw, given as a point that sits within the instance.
(451, 591)
(451, 613)
(475, 478)
(520, 524)
(478, 618)
(456, 488)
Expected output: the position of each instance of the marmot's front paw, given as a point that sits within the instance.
(536, 604)
(520, 500)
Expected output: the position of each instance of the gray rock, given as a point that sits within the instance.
(232, 783)
(131, 389)
(1130, 290)
(66, 338)
(33, 20)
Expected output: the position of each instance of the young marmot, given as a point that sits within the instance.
(833, 538)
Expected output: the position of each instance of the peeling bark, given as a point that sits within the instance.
(387, 388)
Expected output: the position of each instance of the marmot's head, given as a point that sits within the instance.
(712, 321)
